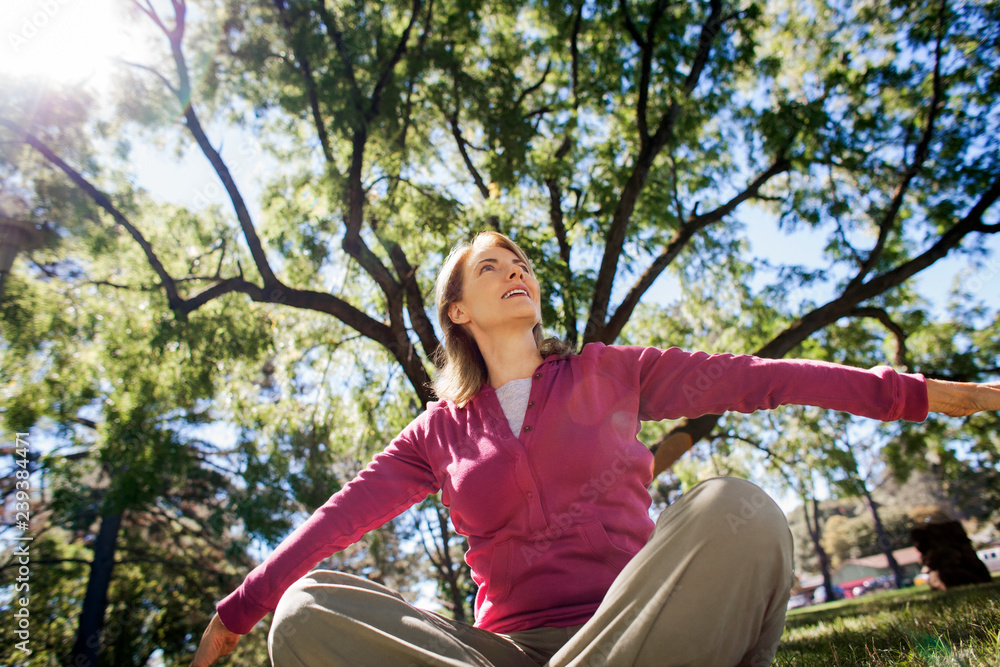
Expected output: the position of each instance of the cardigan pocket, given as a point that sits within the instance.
(600, 542)
(498, 581)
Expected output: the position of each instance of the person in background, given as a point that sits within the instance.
(534, 450)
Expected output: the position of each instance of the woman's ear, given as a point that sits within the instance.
(457, 314)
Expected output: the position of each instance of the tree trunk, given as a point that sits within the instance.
(882, 539)
(824, 559)
(95, 602)
(451, 579)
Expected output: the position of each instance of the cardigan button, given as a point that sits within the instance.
(531, 405)
(527, 429)
(538, 376)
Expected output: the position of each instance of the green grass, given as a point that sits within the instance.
(914, 627)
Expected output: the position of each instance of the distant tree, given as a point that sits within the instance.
(838, 540)
(130, 489)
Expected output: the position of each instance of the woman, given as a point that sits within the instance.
(535, 452)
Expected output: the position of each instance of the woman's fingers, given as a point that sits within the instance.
(215, 643)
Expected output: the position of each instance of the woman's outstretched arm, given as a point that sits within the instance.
(960, 399)
(397, 478)
(800, 382)
(955, 399)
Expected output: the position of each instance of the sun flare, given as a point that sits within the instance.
(71, 42)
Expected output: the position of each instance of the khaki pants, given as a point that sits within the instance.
(708, 589)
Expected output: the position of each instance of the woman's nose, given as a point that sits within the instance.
(515, 271)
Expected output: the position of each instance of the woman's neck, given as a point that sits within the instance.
(509, 358)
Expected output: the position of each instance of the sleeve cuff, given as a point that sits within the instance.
(240, 614)
(914, 395)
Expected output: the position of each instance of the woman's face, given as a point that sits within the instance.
(498, 292)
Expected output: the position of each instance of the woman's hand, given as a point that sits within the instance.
(959, 399)
(215, 643)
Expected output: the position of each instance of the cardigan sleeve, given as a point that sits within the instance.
(396, 479)
(674, 383)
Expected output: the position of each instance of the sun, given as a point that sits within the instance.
(68, 42)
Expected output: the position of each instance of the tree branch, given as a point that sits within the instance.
(435, 558)
(352, 242)
(556, 216)
(840, 227)
(399, 343)
(183, 93)
(637, 179)
(711, 28)
(559, 227)
(770, 453)
(408, 106)
(393, 339)
(533, 87)
(645, 74)
(574, 51)
(330, 23)
(390, 67)
(414, 299)
(919, 157)
(155, 73)
(239, 206)
(897, 331)
(462, 144)
(302, 63)
(841, 306)
(694, 224)
(103, 201)
(630, 26)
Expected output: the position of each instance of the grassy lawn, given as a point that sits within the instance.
(912, 627)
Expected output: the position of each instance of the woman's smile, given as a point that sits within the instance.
(517, 291)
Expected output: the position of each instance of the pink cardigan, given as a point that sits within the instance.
(554, 512)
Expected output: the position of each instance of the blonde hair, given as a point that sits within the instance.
(461, 368)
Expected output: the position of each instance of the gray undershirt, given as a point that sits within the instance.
(513, 397)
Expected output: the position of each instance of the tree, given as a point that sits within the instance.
(862, 463)
(617, 141)
(131, 490)
(446, 552)
(365, 83)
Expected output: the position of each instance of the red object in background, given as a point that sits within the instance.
(848, 586)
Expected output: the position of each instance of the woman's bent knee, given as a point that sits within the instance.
(289, 615)
(738, 508)
(298, 605)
